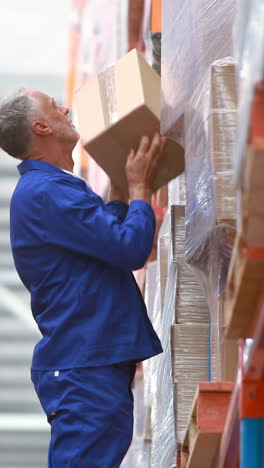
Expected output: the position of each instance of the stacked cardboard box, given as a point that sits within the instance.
(161, 384)
(190, 332)
(189, 344)
(113, 120)
(210, 124)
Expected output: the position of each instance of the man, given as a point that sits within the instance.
(75, 255)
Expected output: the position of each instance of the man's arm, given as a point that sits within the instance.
(75, 221)
(117, 203)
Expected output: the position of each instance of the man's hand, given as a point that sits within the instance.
(142, 167)
(116, 194)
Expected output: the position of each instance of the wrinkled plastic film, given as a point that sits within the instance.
(191, 304)
(162, 415)
(108, 95)
(178, 233)
(176, 191)
(216, 337)
(163, 435)
(210, 123)
(190, 336)
(195, 34)
(163, 257)
(183, 400)
(155, 298)
(150, 290)
(249, 53)
(189, 343)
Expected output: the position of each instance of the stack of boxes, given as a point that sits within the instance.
(210, 123)
(190, 332)
(199, 110)
(161, 384)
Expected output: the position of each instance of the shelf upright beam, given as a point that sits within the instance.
(252, 399)
(228, 456)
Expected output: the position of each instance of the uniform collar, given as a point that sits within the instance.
(30, 164)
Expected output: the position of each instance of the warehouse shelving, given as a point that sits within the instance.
(242, 441)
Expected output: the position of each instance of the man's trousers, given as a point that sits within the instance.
(90, 411)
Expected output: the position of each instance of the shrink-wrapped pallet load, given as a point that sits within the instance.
(199, 110)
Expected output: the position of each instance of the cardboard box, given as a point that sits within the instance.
(191, 304)
(189, 345)
(163, 261)
(210, 122)
(178, 232)
(183, 395)
(115, 109)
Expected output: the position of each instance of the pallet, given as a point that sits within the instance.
(251, 217)
(206, 424)
(244, 284)
(246, 270)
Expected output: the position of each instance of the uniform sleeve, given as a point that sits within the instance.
(76, 221)
(117, 208)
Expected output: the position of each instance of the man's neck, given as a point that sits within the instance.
(63, 161)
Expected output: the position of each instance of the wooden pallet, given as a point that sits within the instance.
(206, 424)
(251, 218)
(244, 284)
(246, 271)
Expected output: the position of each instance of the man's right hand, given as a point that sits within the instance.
(142, 167)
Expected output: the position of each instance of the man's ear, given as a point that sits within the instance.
(41, 127)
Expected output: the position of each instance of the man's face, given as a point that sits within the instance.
(56, 117)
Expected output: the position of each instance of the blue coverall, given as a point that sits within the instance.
(75, 255)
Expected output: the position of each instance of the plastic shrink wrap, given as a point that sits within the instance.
(191, 304)
(199, 84)
(156, 277)
(190, 361)
(190, 333)
(189, 344)
(210, 125)
(249, 55)
(158, 370)
(195, 33)
(163, 435)
(150, 290)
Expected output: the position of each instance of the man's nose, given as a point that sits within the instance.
(65, 110)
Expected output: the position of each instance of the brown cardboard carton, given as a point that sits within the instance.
(189, 346)
(115, 109)
(163, 261)
(183, 395)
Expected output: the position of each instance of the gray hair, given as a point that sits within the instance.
(16, 114)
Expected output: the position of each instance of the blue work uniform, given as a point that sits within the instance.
(75, 254)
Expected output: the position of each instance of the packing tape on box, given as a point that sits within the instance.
(107, 85)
